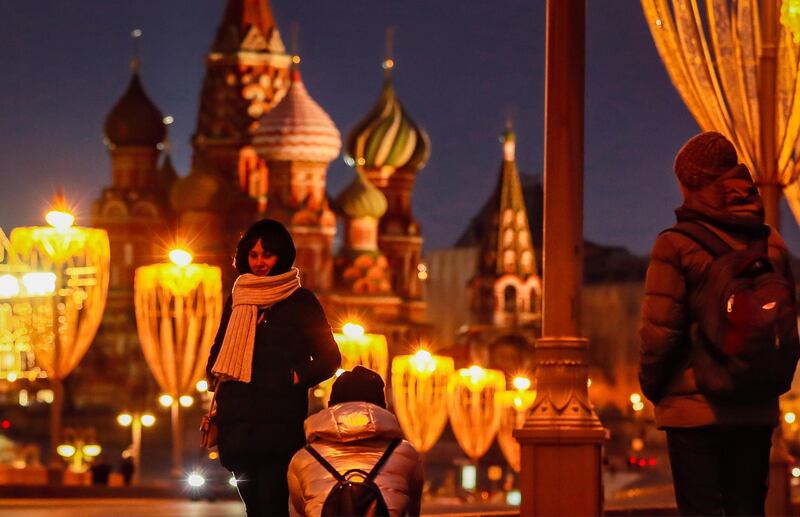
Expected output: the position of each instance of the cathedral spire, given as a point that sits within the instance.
(245, 21)
(512, 247)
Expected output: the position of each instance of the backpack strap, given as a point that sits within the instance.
(379, 465)
(704, 237)
(322, 461)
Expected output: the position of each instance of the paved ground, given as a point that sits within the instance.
(169, 508)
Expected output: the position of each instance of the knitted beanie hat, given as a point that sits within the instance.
(359, 385)
(703, 159)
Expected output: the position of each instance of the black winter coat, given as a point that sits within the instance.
(265, 416)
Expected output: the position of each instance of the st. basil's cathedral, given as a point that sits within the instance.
(261, 148)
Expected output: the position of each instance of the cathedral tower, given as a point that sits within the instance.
(507, 290)
(247, 73)
(389, 148)
(297, 141)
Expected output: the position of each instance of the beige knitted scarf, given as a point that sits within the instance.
(235, 359)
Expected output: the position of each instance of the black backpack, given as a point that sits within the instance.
(351, 497)
(743, 322)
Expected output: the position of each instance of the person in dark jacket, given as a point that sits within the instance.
(719, 451)
(273, 343)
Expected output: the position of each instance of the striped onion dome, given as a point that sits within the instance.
(297, 129)
(387, 136)
(361, 199)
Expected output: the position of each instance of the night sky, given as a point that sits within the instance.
(461, 68)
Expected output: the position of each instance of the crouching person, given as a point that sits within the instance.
(357, 462)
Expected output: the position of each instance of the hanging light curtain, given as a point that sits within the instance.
(64, 292)
(474, 409)
(717, 55)
(514, 405)
(364, 349)
(419, 387)
(178, 309)
(71, 276)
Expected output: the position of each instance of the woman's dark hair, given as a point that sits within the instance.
(274, 237)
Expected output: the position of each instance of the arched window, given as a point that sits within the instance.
(510, 299)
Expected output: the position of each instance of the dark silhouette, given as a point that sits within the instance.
(716, 352)
(261, 365)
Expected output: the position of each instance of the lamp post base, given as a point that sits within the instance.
(561, 471)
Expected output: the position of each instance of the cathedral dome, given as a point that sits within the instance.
(135, 120)
(204, 191)
(297, 129)
(361, 199)
(387, 136)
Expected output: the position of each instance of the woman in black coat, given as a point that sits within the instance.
(273, 343)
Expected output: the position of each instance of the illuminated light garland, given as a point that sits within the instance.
(419, 387)
(474, 408)
(711, 51)
(514, 405)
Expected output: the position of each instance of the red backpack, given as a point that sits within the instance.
(743, 321)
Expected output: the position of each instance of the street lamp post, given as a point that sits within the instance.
(136, 421)
(562, 437)
(178, 307)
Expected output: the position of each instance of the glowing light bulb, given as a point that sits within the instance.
(186, 401)
(180, 257)
(65, 450)
(9, 286)
(339, 372)
(423, 361)
(166, 400)
(38, 284)
(59, 219)
(147, 420)
(91, 450)
(353, 330)
(202, 386)
(296, 60)
(475, 373)
(124, 419)
(789, 417)
(521, 383)
(635, 398)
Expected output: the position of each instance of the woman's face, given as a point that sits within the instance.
(261, 261)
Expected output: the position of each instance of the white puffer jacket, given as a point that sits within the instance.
(354, 435)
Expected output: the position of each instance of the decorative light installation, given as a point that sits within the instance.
(790, 17)
(178, 308)
(360, 348)
(514, 405)
(718, 78)
(62, 297)
(474, 409)
(357, 348)
(419, 387)
(17, 360)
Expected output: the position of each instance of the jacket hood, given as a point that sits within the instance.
(731, 202)
(351, 421)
